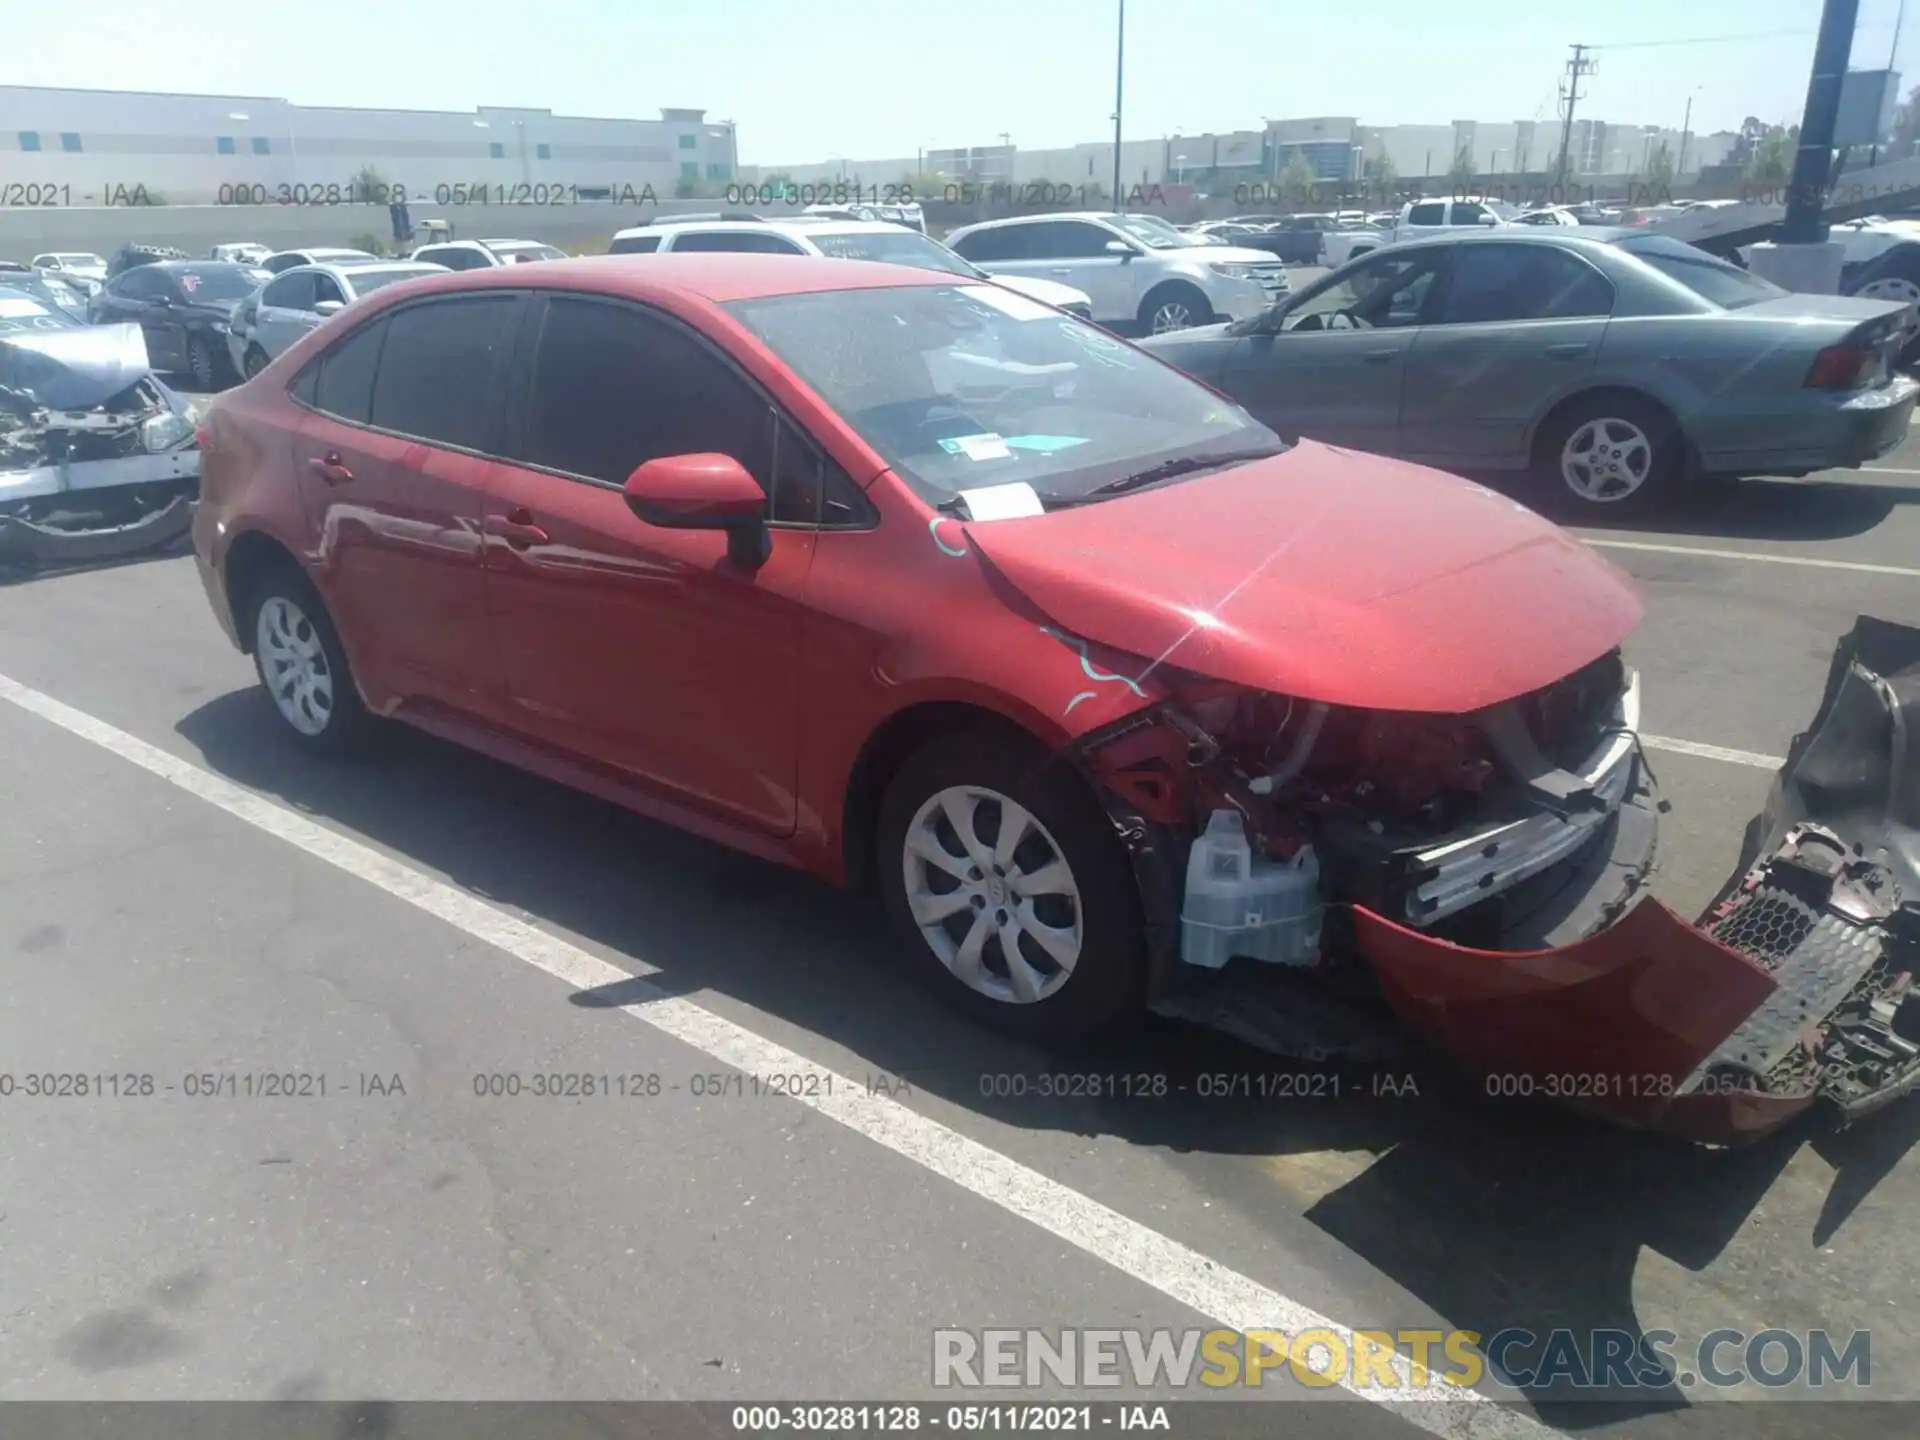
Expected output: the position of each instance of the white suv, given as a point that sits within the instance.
(484, 254)
(843, 239)
(1138, 268)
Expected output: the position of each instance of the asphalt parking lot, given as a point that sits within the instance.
(182, 896)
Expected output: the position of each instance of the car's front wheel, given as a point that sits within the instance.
(302, 664)
(1174, 307)
(256, 360)
(1010, 890)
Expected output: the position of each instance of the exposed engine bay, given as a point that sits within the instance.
(1483, 875)
(97, 457)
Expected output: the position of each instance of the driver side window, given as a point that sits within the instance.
(1386, 294)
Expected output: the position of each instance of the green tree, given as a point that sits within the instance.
(1772, 161)
(1462, 171)
(1660, 169)
(370, 243)
(369, 186)
(1381, 176)
(1297, 181)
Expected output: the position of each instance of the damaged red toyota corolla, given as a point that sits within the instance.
(920, 582)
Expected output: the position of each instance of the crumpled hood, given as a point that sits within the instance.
(74, 369)
(1327, 575)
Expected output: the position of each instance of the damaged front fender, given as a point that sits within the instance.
(1795, 988)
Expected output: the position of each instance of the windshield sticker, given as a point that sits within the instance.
(13, 309)
(1045, 444)
(977, 447)
(1008, 303)
(1017, 501)
(1098, 344)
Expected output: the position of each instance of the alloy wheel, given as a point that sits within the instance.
(1171, 315)
(294, 664)
(993, 894)
(1606, 460)
(1905, 292)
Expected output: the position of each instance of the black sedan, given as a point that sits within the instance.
(183, 307)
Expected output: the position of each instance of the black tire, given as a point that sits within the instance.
(1175, 295)
(256, 361)
(1105, 991)
(207, 368)
(348, 727)
(1650, 460)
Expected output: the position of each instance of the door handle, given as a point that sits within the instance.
(1566, 352)
(1380, 357)
(516, 527)
(329, 468)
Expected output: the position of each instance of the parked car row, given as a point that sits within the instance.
(897, 576)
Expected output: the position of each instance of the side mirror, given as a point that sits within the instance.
(165, 302)
(1120, 248)
(1489, 221)
(329, 307)
(704, 492)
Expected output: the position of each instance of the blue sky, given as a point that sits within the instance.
(806, 79)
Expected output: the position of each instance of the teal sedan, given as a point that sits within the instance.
(1608, 368)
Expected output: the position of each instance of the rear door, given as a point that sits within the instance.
(392, 459)
(1334, 369)
(646, 649)
(1512, 329)
(147, 297)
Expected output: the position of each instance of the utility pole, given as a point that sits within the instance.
(1686, 134)
(1119, 95)
(1806, 192)
(1579, 65)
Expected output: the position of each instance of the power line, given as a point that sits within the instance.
(1720, 39)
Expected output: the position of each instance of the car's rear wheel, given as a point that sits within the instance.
(302, 664)
(1174, 307)
(256, 360)
(1899, 281)
(1009, 889)
(1607, 456)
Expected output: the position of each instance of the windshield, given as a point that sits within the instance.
(218, 280)
(22, 310)
(904, 248)
(365, 282)
(28, 282)
(1151, 231)
(535, 252)
(80, 258)
(1715, 281)
(960, 387)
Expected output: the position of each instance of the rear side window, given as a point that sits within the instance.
(436, 369)
(634, 245)
(1007, 242)
(343, 384)
(736, 240)
(289, 292)
(1520, 282)
(614, 386)
(1711, 279)
(1433, 212)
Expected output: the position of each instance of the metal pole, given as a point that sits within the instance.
(1119, 96)
(1686, 132)
(1805, 223)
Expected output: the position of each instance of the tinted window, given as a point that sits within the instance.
(365, 282)
(1520, 282)
(614, 386)
(1433, 212)
(143, 283)
(1466, 212)
(737, 240)
(1075, 240)
(634, 245)
(344, 384)
(436, 369)
(290, 292)
(324, 288)
(277, 263)
(1007, 242)
(1710, 279)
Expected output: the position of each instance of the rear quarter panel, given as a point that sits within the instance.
(1713, 371)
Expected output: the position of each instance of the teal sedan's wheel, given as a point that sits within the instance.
(1606, 456)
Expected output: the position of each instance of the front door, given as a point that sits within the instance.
(392, 471)
(1335, 368)
(285, 312)
(1512, 328)
(151, 300)
(647, 650)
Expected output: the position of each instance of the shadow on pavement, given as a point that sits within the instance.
(1779, 510)
(1493, 1215)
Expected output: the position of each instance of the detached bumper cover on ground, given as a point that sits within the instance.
(1795, 988)
(97, 457)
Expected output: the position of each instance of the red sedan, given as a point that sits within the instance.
(903, 579)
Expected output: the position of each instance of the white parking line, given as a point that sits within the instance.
(1810, 562)
(1713, 752)
(1175, 1270)
(1886, 470)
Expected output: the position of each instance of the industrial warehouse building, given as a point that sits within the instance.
(100, 146)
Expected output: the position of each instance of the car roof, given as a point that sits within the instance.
(719, 276)
(351, 267)
(1107, 216)
(495, 244)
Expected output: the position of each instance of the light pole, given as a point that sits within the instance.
(1686, 134)
(1119, 95)
(1179, 169)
